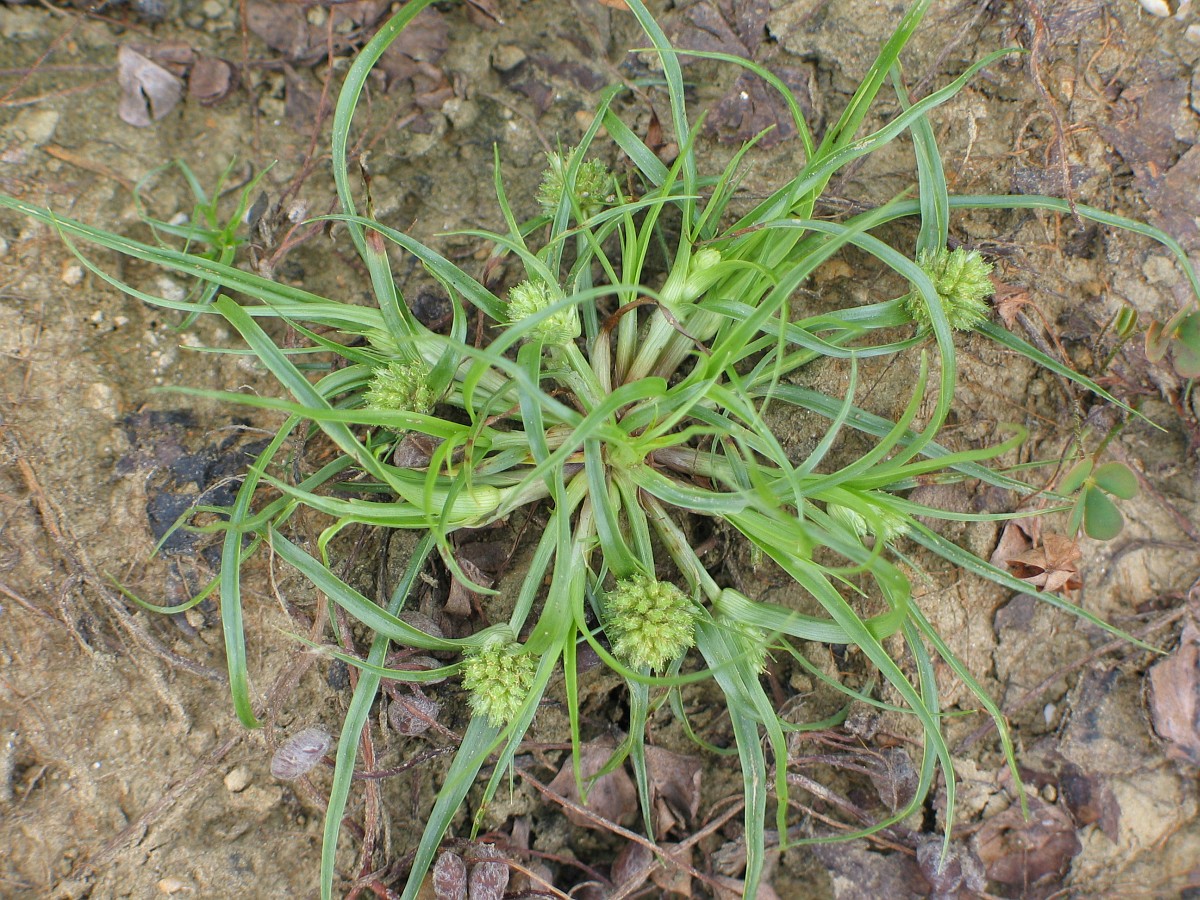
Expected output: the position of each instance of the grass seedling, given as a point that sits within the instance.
(627, 385)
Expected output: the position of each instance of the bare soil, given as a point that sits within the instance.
(124, 771)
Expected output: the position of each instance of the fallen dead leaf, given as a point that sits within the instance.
(489, 10)
(674, 788)
(751, 108)
(424, 40)
(1175, 698)
(612, 796)
(738, 28)
(211, 80)
(722, 26)
(631, 868)
(894, 777)
(858, 872)
(148, 91)
(284, 27)
(1052, 567)
(1090, 800)
(1013, 542)
(1009, 300)
(959, 872)
(460, 599)
(175, 56)
(674, 879)
(1030, 855)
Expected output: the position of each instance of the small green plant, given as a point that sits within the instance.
(1094, 486)
(628, 385)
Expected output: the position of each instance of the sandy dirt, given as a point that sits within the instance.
(125, 772)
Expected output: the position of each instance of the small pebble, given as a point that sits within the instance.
(1156, 7)
(72, 274)
(1192, 33)
(237, 780)
(507, 57)
(172, 885)
(213, 9)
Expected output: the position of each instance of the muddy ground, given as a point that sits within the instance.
(124, 771)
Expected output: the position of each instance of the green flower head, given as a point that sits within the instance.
(649, 622)
(592, 183)
(530, 298)
(498, 677)
(961, 280)
(401, 386)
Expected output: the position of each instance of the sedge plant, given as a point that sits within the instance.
(628, 385)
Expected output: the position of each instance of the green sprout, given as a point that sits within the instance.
(1093, 508)
(636, 416)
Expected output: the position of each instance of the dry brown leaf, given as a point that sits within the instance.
(489, 10)
(1052, 567)
(285, 27)
(632, 866)
(1008, 301)
(749, 109)
(1028, 854)
(1013, 542)
(148, 91)
(211, 80)
(950, 875)
(612, 796)
(461, 597)
(674, 879)
(860, 872)
(1175, 698)
(424, 40)
(1090, 800)
(674, 787)
(894, 777)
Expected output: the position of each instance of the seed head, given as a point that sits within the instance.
(961, 280)
(591, 184)
(649, 622)
(530, 298)
(401, 386)
(498, 677)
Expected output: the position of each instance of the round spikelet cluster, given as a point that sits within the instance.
(401, 386)
(592, 183)
(649, 622)
(530, 298)
(961, 280)
(498, 677)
